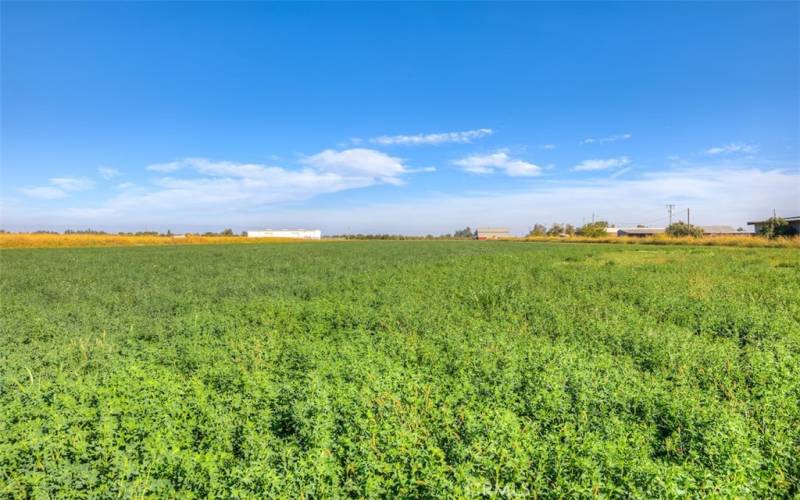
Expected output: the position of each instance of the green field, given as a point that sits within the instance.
(386, 369)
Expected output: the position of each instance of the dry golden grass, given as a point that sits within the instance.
(25, 240)
(661, 239)
(43, 240)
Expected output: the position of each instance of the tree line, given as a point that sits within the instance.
(774, 227)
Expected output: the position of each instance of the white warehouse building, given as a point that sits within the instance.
(300, 234)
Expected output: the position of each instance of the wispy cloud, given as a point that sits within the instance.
(620, 172)
(498, 161)
(605, 164)
(610, 138)
(72, 183)
(717, 194)
(463, 137)
(732, 149)
(43, 192)
(201, 188)
(171, 166)
(107, 172)
(59, 187)
(360, 165)
(547, 146)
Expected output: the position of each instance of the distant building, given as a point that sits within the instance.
(640, 232)
(299, 234)
(493, 233)
(722, 231)
(794, 223)
(612, 231)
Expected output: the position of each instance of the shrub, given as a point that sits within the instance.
(679, 229)
(593, 229)
(538, 230)
(465, 233)
(776, 226)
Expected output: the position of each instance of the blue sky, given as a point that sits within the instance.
(411, 118)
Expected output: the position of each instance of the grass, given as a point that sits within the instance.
(400, 369)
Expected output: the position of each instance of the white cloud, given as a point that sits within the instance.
(547, 146)
(360, 162)
(733, 148)
(166, 167)
(107, 172)
(717, 194)
(603, 140)
(464, 137)
(620, 172)
(58, 188)
(497, 161)
(44, 192)
(72, 183)
(207, 189)
(609, 163)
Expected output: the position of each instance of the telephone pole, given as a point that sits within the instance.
(670, 208)
(688, 220)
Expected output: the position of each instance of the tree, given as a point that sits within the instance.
(776, 226)
(593, 229)
(677, 229)
(227, 232)
(465, 233)
(538, 230)
(569, 230)
(555, 230)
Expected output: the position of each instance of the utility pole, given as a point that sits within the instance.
(592, 217)
(670, 208)
(688, 220)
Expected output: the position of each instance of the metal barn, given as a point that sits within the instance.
(493, 233)
(299, 234)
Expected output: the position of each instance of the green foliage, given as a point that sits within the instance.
(538, 230)
(465, 233)
(83, 231)
(775, 227)
(593, 229)
(432, 369)
(680, 229)
(555, 230)
(225, 232)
